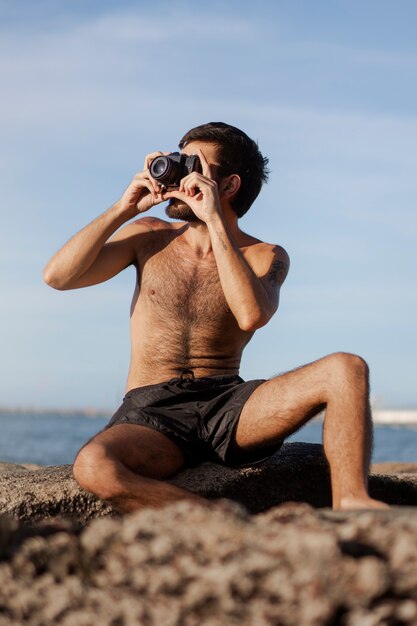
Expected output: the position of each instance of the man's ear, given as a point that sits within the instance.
(229, 186)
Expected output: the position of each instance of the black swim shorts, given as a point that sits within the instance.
(199, 415)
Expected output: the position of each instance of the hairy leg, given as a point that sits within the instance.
(127, 464)
(337, 383)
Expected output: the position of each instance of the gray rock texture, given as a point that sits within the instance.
(188, 565)
(297, 473)
(394, 468)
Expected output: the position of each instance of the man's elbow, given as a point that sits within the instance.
(252, 323)
(256, 319)
(52, 279)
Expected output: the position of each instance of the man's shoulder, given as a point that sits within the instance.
(261, 248)
(152, 224)
(263, 255)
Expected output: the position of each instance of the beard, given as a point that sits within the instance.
(179, 210)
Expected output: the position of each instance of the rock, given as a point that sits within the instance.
(189, 565)
(186, 565)
(394, 468)
(6, 467)
(11, 467)
(298, 472)
(48, 492)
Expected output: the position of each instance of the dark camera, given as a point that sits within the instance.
(169, 170)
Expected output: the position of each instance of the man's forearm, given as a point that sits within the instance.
(246, 296)
(80, 252)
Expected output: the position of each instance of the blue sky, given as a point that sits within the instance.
(328, 88)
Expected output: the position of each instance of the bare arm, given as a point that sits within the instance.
(251, 290)
(88, 257)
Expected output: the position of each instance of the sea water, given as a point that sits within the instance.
(391, 442)
(52, 439)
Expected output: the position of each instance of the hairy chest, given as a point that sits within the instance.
(181, 287)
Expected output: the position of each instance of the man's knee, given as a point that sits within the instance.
(346, 367)
(94, 470)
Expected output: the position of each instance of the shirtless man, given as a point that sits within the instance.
(203, 287)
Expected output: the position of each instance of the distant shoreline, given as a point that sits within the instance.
(402, 417)
(57, 412)
(395, 416)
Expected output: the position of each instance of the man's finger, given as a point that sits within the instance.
(173, 193)
(151, 156)
(151, 189)
(143, 176)
(205, 166)
(197, 181)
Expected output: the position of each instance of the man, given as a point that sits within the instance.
(203, 288)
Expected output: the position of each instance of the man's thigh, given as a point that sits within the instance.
(141, 449)
(280, 406)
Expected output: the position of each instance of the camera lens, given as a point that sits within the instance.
(158, 167)
(164, 169)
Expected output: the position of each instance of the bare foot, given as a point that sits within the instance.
(359, 503)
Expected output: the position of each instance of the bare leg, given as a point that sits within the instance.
(338, 383)
(126, 465)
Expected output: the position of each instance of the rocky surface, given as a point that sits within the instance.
(298, 472)
(37, 495)
(394, 468)
(186, 565)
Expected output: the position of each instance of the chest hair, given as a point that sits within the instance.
(184, 289)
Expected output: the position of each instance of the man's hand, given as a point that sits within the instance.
(199, 191)
(89, 257)
(144, 192)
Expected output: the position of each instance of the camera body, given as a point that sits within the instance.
(169, 170)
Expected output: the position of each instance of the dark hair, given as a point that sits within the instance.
(238, 154)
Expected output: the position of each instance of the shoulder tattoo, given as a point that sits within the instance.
(277, 272)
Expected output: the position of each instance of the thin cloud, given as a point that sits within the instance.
(343, 54)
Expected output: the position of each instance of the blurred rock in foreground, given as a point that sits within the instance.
(186, 565)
